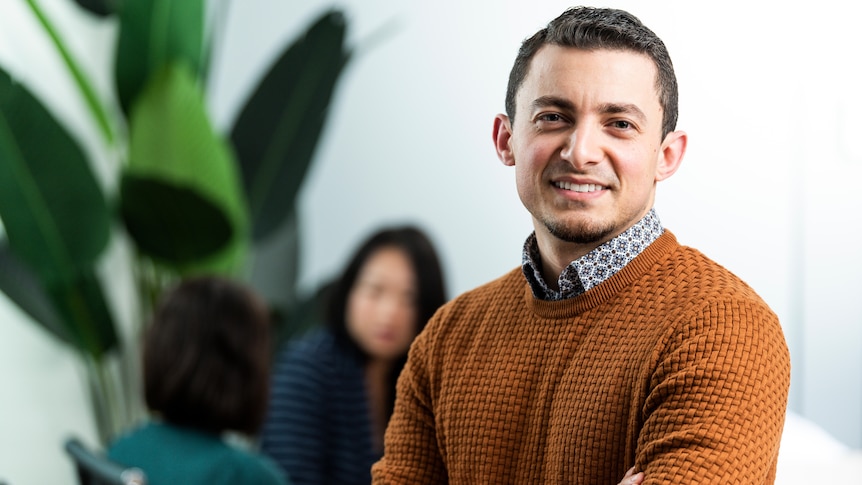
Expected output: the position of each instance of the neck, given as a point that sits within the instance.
(556, 255)
(378, 367)
(377, 387)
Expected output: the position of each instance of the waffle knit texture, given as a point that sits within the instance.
(673, 365)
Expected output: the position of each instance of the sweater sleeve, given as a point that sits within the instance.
(294, 434)
(411, 452)
(717, 399)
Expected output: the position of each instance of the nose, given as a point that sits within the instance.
(583, 146)
(391, 308)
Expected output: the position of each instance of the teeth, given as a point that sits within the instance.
(579, 187)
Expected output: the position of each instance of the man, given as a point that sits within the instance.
(613, 346)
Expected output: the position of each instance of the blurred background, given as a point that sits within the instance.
(768, 95)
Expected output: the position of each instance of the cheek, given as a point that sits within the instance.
(355, 313)
(535, 155)
(638, 168)
(406, 327)
(532, 163)
(409, 324)
(528, 175)
(407, 336)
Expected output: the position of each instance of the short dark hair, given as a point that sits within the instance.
(590, 28)
(431, 291)
(206, 356)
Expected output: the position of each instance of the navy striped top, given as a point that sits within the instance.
(318, 427)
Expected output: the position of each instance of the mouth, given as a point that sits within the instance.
(386, 336)
(582, 188)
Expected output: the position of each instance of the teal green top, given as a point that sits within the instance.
(170, 455)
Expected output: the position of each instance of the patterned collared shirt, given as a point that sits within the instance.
(594, 267)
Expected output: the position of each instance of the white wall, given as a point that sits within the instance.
(769, 97)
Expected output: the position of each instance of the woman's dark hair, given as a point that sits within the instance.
(207, 355)
(431, 292)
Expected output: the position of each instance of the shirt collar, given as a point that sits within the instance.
(594, 267)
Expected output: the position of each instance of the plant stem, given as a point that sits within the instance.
(84, 84)
(114, 394)
(102, 405)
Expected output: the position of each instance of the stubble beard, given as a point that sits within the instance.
(584, 232)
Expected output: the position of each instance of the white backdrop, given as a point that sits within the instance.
(769, 96)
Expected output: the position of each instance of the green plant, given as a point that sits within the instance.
(187, 199)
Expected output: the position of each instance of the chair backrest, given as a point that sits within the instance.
(96, 469)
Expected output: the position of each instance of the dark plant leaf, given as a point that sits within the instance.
(152, 34)
(278, 128)
(308, 312)
(275, 264)
(174, 152)
(102, 8)
(55, 214)
(170, 223)
(23, 287)
(81, 302)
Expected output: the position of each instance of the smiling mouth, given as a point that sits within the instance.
(579, 187)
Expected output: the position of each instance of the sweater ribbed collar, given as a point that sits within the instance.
(643, 264)
(593, 268)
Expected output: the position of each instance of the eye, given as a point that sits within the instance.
(550, 121)
(621, 124)
(369, 289)
(550, 117)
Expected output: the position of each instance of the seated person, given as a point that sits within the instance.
(206, 361)
(334, 389)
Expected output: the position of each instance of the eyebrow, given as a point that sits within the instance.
(622, 108)
(606, 108)
(545, 101)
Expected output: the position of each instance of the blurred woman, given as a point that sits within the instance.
(333, 389)
(206, 372)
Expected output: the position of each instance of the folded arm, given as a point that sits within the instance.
(717, 400)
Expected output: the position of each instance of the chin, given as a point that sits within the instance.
(386, 353)
(580, 232)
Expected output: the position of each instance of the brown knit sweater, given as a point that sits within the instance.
(673, 365)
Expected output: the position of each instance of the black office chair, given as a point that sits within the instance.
(96, 469)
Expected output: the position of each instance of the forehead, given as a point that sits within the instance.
(598, 75)
(387, 262)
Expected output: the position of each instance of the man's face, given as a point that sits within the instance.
(586, 142)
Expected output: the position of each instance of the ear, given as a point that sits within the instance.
(503, 139)
(670, 158)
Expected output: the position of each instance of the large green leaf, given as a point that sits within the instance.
(154, 33)
(75, 311)
(23, 288)
(82, 304)
(276, 264)
(53, 209)
(57, 222)
(170, 222)
(278, 129)
(176, 156)
(307, 313)
(101, 8)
